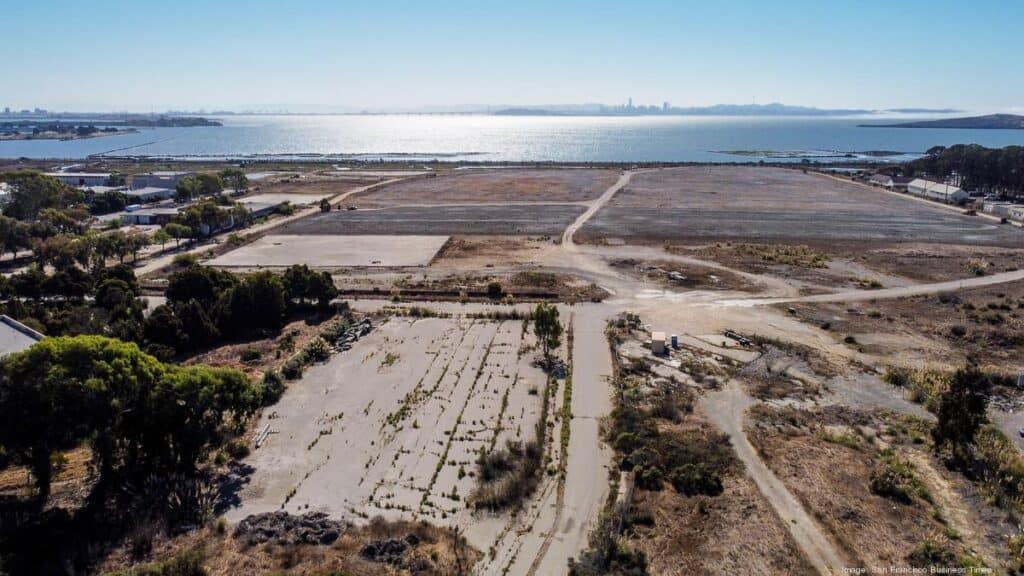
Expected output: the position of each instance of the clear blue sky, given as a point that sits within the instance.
(312, 56)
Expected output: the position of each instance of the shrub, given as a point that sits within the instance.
(894, 478)
(932, 552)
(250, 356)
(494, 290)
(696, 478)
(186, 260)
(316, 351)
(273, 387)
(292, 369)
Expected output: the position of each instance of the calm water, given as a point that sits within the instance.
(504, 138)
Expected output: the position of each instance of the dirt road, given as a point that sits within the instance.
(596, 205)
(886, 293)
(726, 408)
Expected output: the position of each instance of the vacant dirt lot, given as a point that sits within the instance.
(484, 186)
(986, 324)
(393, 426)
(542, 219)
(828, 459)
(728, 202)
(309, 183)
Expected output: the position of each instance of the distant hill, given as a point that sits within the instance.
(989, 122)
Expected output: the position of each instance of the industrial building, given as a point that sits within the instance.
(158, 215)
(937, 191)
(160, 179)
(149, 194)
(81, 178)
(15, 336)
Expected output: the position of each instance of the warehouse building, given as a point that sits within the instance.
(161, 179)
(937, 191)
(81, 178)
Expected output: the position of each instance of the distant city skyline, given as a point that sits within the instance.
(394, 55)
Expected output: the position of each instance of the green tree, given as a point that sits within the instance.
(961, 411)
(161, 237)
(234, 178)
(178, 232)
(187, 189)
(547, 328)
(325, 205)
(31, 192)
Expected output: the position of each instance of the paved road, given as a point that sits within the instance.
(585, 489)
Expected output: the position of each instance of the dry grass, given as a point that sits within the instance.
(224, 555)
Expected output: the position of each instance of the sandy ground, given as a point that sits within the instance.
(777, 204)
(494, 186)
(529, 219)
(334, 251)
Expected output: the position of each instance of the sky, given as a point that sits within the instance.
(318, 56)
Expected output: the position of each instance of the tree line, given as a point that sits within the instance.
(138, 414)
(974, 167)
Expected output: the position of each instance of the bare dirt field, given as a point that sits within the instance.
(294, 198)
(309, 183)
(333, 251)
(393, 426)
(753, 203)
(985, 324)
(562, 185)
(541, 219)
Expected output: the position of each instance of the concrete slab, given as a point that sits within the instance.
(333, 251)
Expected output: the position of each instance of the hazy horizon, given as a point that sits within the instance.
(319, 57)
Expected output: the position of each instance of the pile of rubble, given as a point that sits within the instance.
(284, 528)
(351, 334)
(393, 551)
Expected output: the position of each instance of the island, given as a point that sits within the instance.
(987, 122)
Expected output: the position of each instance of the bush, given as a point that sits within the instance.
(894, 478)
(186, 260)
(250, 356)
(696, 478)
(931, 552)
(273, 387)
(292, 369)
(316, 351)
(494, 290)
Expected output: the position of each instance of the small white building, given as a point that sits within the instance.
(81, 178)
(160, 179)
(883, 180)
(1001, 209)
(1016, 212)
(937, 191)
(658, 342)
